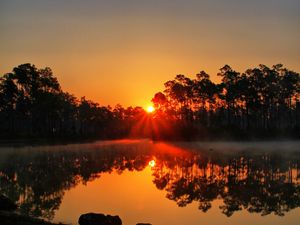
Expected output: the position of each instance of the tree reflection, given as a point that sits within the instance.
(259, 183)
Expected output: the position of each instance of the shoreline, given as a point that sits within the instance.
(19, 142)
(13, 218)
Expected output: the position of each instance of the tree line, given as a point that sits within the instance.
(261, 102)
(32, 104)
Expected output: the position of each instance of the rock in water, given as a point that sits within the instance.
(6, 204)
(99, 219)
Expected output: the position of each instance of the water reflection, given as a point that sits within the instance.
(261, 182)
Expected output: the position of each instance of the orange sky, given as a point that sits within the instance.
(116, 52)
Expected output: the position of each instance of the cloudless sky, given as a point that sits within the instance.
(122, 51)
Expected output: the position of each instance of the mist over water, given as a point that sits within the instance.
(158, 182)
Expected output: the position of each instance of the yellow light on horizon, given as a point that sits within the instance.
(150, 109)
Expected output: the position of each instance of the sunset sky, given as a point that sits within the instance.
(122, 51)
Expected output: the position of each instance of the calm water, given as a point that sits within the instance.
(159, 183)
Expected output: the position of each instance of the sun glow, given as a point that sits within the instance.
(150, 109)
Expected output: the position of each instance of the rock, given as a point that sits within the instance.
(143, 224)
(6, 204)
(99, 219)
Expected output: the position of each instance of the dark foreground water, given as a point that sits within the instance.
(160, 183)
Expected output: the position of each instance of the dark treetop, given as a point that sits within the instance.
(261, 102)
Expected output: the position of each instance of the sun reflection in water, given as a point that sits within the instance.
(152, 163)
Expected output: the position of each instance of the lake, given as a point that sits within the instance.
(162, 183)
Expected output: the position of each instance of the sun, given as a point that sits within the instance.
(150, 109)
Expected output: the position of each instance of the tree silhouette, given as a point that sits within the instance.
(261, 102)
(262, 98)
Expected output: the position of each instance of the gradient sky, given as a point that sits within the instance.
(122, 51)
